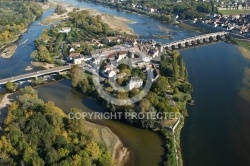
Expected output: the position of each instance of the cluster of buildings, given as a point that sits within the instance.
(236, 23)
(233, 5)
(135, 53)
(139, 6)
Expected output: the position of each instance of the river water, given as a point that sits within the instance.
(213, 134)
(21, 58)
(145, 145)
(217, 131)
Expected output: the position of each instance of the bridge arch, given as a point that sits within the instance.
(206, 40)
(194, 42)
(200, 41)
(180, 45)
(187, 44)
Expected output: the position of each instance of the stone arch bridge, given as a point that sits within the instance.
(197, 40)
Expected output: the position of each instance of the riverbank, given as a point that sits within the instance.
(244, 51)
(114, 22)
(191, 28)
(5, 45)
(106, 137)
(6, 101)
(243, 46)
(9, 51)
(42, 64)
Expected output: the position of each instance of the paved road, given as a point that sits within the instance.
(34, 74)
(43, 72)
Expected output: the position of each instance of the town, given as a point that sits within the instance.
(205, 15)
(144, 55)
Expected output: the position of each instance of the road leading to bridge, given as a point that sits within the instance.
(34, 74)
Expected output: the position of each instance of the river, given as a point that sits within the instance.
(21, 58)
(215, 132)
(217, 129)
(139, 141)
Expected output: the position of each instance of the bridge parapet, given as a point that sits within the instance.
(195, 38)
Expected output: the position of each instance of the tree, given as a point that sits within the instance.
(60, 10)
(11, 87)
(160, 86)
(76, 125)
(93, 150)
(105, 160)
(43, 54)
(144, 105)
(51, 156)
(77, 75)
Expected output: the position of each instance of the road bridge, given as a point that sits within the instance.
(197, 40)
(192, 41)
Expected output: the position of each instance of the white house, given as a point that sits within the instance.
(96, 60)
(121, 55)
(111, 73)
(72, 50)
(135, 82)
(79, 60)
(151, 10)
(65, 30)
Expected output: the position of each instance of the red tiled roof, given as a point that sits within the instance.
(73, 55)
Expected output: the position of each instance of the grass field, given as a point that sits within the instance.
(228, 12)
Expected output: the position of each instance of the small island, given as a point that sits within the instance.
(9, 51)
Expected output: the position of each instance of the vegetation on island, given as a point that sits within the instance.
(52, 45)
(11, 87)
(38, 133)
(15, 17)
(171, 86)
(60, 10)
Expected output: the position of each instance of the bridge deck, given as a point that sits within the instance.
(34, 74)
(183, 41)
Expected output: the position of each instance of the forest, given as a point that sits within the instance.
(37, 133)
(15, 17)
